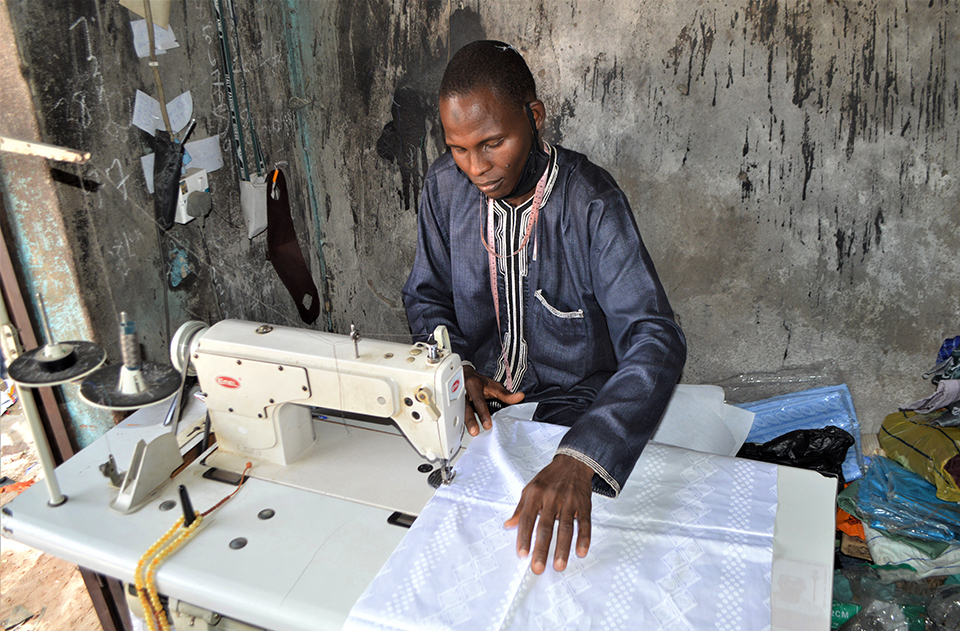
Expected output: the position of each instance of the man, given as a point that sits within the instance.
(530, 255)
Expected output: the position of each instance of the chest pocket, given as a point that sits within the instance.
(563, 315)
(558, 339)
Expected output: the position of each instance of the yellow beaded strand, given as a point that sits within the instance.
(145, 577)
(149, 613)
(146, 571)
(151, 572)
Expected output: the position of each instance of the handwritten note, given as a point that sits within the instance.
(205, 154)
(164, 39)
(146, 112)
(180, 110)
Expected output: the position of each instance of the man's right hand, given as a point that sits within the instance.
(479, 389)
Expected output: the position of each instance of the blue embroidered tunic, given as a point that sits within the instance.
(597, 347)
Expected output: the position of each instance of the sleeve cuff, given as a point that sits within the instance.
(603, 482)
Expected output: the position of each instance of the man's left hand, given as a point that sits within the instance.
(560, 492)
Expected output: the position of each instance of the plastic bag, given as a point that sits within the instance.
(757, 386)
(166, 178)
(948, 362)
(858, 586)
(878, 616)
(810, 409)
(894, 500)
(943, 611)
(822, 450)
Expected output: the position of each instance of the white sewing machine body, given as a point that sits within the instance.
(336, 484)
(260, 382)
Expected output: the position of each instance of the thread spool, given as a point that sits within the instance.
(129, 344)
(135, 383)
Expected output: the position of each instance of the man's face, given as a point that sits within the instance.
(489, 139)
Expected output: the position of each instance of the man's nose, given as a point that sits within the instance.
(477, 165)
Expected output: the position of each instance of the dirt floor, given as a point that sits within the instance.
(37, 591)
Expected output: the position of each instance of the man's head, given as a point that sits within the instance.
(493, 65)
(490, 115)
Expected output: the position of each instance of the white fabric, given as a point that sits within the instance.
(687, 545)
(886, 551)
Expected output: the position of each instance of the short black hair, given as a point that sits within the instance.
(493, 65)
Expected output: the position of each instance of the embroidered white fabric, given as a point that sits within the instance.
(687, 545)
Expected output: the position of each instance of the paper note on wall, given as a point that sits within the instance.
(147, 116)
(146, 113)
(205, 154)
(163, 39)
(180, 110)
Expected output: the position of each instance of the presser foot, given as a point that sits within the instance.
(444, 474)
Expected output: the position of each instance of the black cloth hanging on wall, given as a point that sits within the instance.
(168, 162)
(284, 251)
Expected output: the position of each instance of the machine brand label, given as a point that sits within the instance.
(453, 392)
(228, 382)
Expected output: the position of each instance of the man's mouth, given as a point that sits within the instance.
(488, 187)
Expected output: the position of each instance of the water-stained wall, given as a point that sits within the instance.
(792, 164)
(79, 60)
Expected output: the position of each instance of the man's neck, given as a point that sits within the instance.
(517, 201)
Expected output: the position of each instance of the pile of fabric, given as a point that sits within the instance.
(898, 517)
(908, 497)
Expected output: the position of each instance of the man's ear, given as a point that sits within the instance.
(539, 112)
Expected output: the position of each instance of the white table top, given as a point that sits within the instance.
(305, 567)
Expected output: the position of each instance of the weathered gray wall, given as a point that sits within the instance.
(79, 60)
(792, 165)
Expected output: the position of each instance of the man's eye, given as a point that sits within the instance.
(494, 144)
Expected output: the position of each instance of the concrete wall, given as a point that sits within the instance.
(36, 233)
(792, 165)
(79, 61)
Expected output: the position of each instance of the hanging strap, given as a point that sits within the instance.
(235, 126)
(284, 250)
(257, 154)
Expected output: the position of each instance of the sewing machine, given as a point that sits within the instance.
(260, 382)
(339, 429)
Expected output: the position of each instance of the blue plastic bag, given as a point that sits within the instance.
(897, 501)
(810, 409)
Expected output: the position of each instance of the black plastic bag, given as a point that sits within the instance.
(167, 165)
(822, 450)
